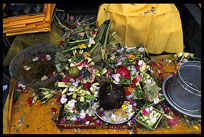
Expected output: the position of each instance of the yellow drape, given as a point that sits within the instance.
(157, 26)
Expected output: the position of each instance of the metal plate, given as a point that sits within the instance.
(196, 114)
(122, 122)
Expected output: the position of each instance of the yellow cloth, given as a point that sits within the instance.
(159, 30)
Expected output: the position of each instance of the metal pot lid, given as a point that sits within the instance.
(196, 114)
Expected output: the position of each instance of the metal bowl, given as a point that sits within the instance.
(185, 89)
(31, 52)
(165, 90)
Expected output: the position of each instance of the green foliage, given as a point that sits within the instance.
(15, 96)
(78, 58)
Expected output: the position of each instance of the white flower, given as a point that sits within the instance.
(73, 119)
(97, 88)
(71, 104)
(116, 78)
(148, 67)
(44, 78)
(119, 63)
(75, 84)
(72, 89)
(35, 59)
(156, 100)
(140, 62)
(81, 34)
(154, 120)
(120, 50)
(160, 94)
(141, 49)
(87, 122)
(21, 85)
(48, 57)
(63, 100)
(113, 117)
(91, 41)
(72, 80)
(26, 67)
(148, 81)
(128, 49)
(150, 108)
(82, 114)
(78, 23)
(147, 109)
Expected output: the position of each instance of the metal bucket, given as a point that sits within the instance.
(185, 89)
(31, 52)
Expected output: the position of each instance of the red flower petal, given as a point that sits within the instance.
(53, 110)
(160, 74)
(134, 81)
(127, 93)
(76, 123)
(137, 66)
(87, 86)
(166, 110)
(29, 99)
(62, 43)
(124, 72)
(144, 112)
(94, 32)
(162, 60)
(172, 122)
(69, 36)
(66, 79)
(58, 99)
(84, 62)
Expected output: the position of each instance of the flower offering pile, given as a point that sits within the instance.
(90, 56)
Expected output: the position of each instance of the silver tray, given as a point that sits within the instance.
(122, 122)
(196, 114)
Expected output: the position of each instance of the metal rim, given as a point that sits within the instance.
(188, 113)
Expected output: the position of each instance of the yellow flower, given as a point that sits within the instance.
(124, 114)
(131, 57)
(82, 46)
(117, 111)
(87, 55)
(130, 89)
(123, 106)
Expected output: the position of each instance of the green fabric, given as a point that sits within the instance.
(25, 40)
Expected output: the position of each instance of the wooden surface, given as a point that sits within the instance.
(37, 119)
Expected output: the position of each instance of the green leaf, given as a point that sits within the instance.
(151, 90)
